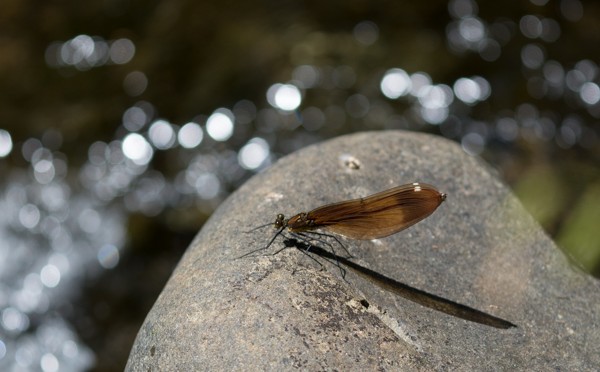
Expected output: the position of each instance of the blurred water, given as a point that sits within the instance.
(505, 91)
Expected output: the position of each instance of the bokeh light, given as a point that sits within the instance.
(135, 83)
(219, 125)
(590, 93)
(137, 149)
(253, 154)
(2, 349)
(472, 90)
(395, 83)
(49, 363)
(207, 185)
(286, 97)
(418, 81)
(50, 276)
(161, 134)
(84, 52)
(108, 256)
(190, 135)
(121, 51)
(6, 144)
(307, 76)
(462, 8)
(366, 32)
(134, 118)
(471, 29)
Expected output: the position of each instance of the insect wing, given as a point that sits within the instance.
(381, 214)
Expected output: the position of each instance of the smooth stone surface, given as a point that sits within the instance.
(480, 248)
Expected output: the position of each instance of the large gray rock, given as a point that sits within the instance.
(480, 249)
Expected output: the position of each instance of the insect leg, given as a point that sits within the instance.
(279, 232)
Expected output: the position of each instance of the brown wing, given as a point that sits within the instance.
(379, 215)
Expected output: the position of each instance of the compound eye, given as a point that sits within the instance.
(279, 220)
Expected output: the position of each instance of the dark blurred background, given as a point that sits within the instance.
(124, 124)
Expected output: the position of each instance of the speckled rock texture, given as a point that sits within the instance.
(283, 311)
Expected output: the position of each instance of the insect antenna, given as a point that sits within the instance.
(259, 227)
